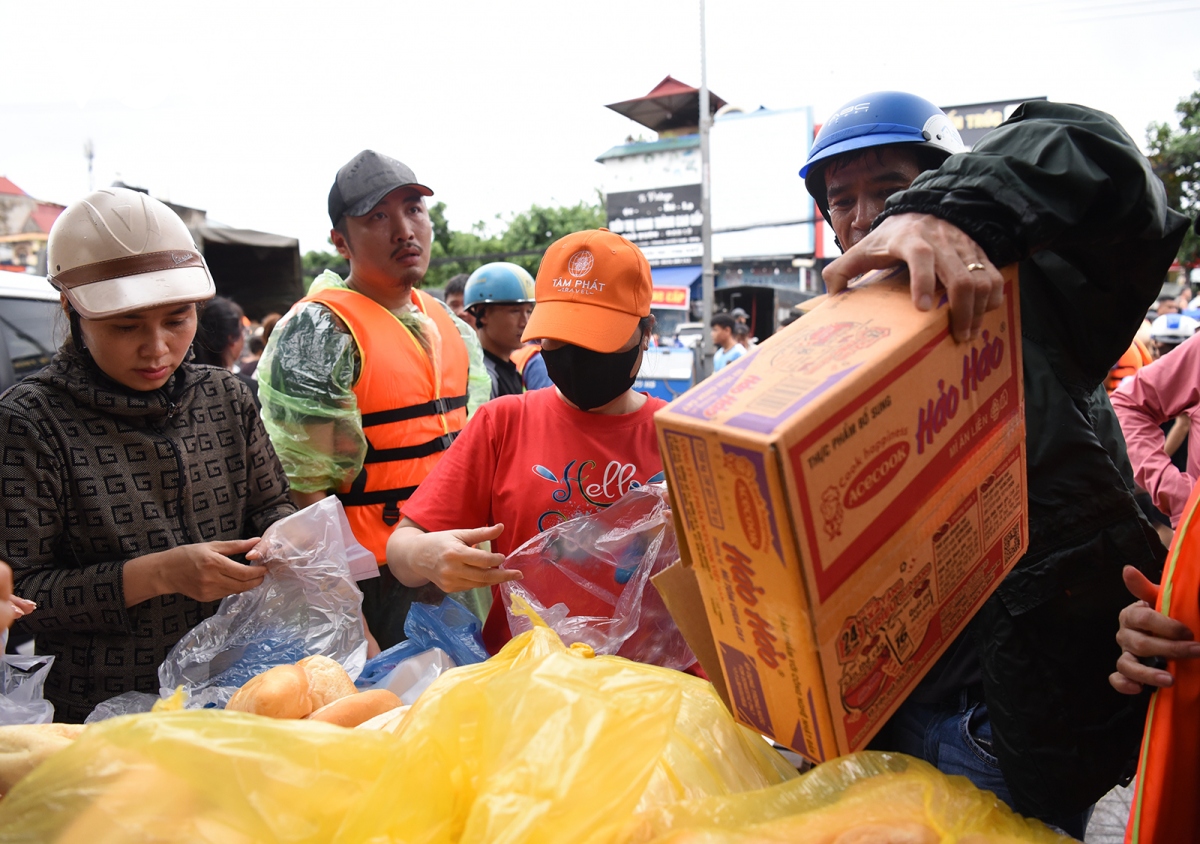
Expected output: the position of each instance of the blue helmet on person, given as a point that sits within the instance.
(875, 120)
(499, 282)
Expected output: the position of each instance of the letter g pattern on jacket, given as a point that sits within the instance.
(93, 475)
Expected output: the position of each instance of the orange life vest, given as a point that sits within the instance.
(411, 409)
(1135, 357)
(523, 355)
(1166, 808)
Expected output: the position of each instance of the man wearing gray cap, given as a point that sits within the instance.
(366, 381)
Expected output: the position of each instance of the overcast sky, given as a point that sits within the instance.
(247, 109)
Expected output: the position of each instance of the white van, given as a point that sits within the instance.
(32, 326)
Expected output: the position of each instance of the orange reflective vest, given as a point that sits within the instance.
(1166, 799)
(411, 408)
(1135, 357)
(523, 355)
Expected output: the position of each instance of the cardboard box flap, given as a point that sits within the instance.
(681, 593)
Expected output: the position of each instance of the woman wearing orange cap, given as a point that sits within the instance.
(131, 478)
(529, 461)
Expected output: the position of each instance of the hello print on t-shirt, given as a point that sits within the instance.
(578, 491)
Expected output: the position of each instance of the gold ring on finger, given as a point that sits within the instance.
(975, 265)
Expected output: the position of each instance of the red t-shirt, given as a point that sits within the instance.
(531, 461)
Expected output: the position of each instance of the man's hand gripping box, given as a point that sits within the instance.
(847, 496)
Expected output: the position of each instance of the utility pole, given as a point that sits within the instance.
(89, 152)
(705, 364)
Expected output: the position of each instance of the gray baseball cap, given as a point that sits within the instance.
(366, 179)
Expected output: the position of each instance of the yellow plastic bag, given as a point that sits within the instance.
(542, 743)
(864, 798)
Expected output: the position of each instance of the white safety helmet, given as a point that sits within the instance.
(1172, 328)
(119, 250)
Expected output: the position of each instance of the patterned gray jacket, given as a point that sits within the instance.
(93, 474)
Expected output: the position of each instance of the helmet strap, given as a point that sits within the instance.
(76, 329)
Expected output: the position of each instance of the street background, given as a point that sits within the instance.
(247, 109)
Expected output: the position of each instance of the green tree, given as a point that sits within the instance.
(537, 228)
(1175, 157)
(528, 232)
(454, 251)
(313, 263)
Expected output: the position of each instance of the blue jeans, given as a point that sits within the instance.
(956, 738)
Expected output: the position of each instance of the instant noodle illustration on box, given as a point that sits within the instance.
(846, 497)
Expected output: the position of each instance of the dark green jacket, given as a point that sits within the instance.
(1063, 190)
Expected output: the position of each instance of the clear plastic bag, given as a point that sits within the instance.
(448, 626)
(21, 681)
(413, 675)
(128, 703)
(588, 578)
(308, 604)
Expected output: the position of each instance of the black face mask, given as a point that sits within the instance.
(590, 379)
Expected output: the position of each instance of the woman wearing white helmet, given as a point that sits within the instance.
(131, 478)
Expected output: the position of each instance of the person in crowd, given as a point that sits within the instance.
(1134, 358)
(220, 338)
(12, 607)
(248, 365)
(8, 611)
(1020, 703)
(134, 481)
(1159, 650)
(741, 334)
(453, 294)
(1169, 331)
(367, 381)
(728, 348)
(1159, 393)
(219, 334)
(499, 296)
(1166, 305)
(532, 367)
(529, 461)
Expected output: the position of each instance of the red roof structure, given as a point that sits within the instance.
(44, 215)
(671, 106)
(7, 188)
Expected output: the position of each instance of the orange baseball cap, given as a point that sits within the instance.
(593, 288)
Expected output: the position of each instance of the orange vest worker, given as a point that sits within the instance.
(1135, 357)
(521, 357)
(412, 407)
(1166, 800)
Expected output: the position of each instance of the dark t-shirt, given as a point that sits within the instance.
(506, 381)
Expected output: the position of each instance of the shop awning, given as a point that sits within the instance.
(675, 276)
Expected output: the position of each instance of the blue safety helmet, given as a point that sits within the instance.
(499, 282)
(875, 120)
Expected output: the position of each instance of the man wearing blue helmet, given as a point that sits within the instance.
(1020, 703)
(500, 298)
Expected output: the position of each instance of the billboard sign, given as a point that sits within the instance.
(663, 222)
(975, 121)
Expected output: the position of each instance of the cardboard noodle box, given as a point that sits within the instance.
(846, 496)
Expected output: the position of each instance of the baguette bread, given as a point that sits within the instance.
(279, 692)
(355, 709)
